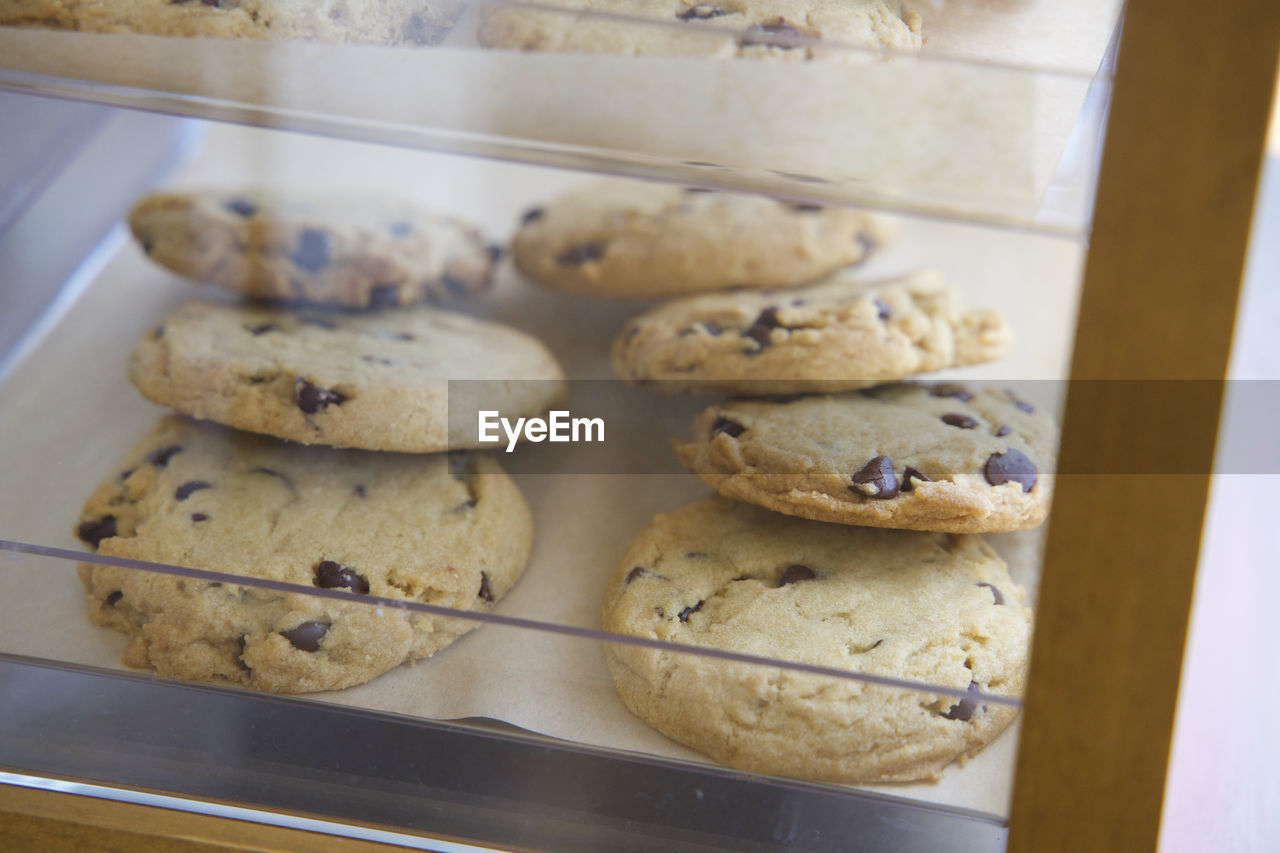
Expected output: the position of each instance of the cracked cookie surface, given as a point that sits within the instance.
(447, 529)
(787, 30)
(632, 240)
(937, 457)
(407, 380)
(934, 608)
(834, 335)
(363, 21)
(352, 251)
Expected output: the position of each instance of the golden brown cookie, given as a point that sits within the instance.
(916, 457)
(447, 529)
(787, 30)
(634, 240)
(837, 334)
(365, 21)
(936, 609)
(402, 380)
(349, 250)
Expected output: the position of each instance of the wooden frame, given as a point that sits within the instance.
(1180, 168)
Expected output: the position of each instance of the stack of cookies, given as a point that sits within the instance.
(331, 348)
(842, 537)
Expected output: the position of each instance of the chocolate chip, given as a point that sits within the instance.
(493, 251)
(1012, 466)
(456, 286)
(958, 391)
(689, 611)
(241, 206)
(189, 488)
(1003, 431)
(384, 296)
(1019, 404)
(533, 214)
(795, 574)
(332, 575)
(199, 516)
(360, 490)
(400, 230)
(312, 398)
(697, 189)
(732, 428)
(261, 329)
(694, 555)
(485, 593)
(963, 710)
(962, 421)
(912, 474)
(876, 479)
(868, 245)
(711, 327)
(114, 597)
(806, 208)
(147, 245)
(774, 34)
(160, 458)
(577, 255)
(124, 475)
(761, 330)
(416, 31)
(994, 591)
(701, 12)
(157, 333)
(313, 251)
(307, 636)
(315, 320)
(882, 309)
(462, 465)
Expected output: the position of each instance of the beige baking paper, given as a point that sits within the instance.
(934, 134)
(67, 414)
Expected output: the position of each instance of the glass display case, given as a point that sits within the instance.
(492, 706)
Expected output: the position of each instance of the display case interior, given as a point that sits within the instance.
(976, 155)
(537, 664)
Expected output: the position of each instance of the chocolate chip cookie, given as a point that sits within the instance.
(834, 335)
(409, 380)
(628, 239)
(366, 21)
(940, 457)
(353, 251)
(932, 608)
(447, 529)
(794, 30)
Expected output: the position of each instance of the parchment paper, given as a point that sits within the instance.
(67, 413)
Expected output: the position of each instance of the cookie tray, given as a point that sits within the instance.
(976, 126)
(69, 412)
